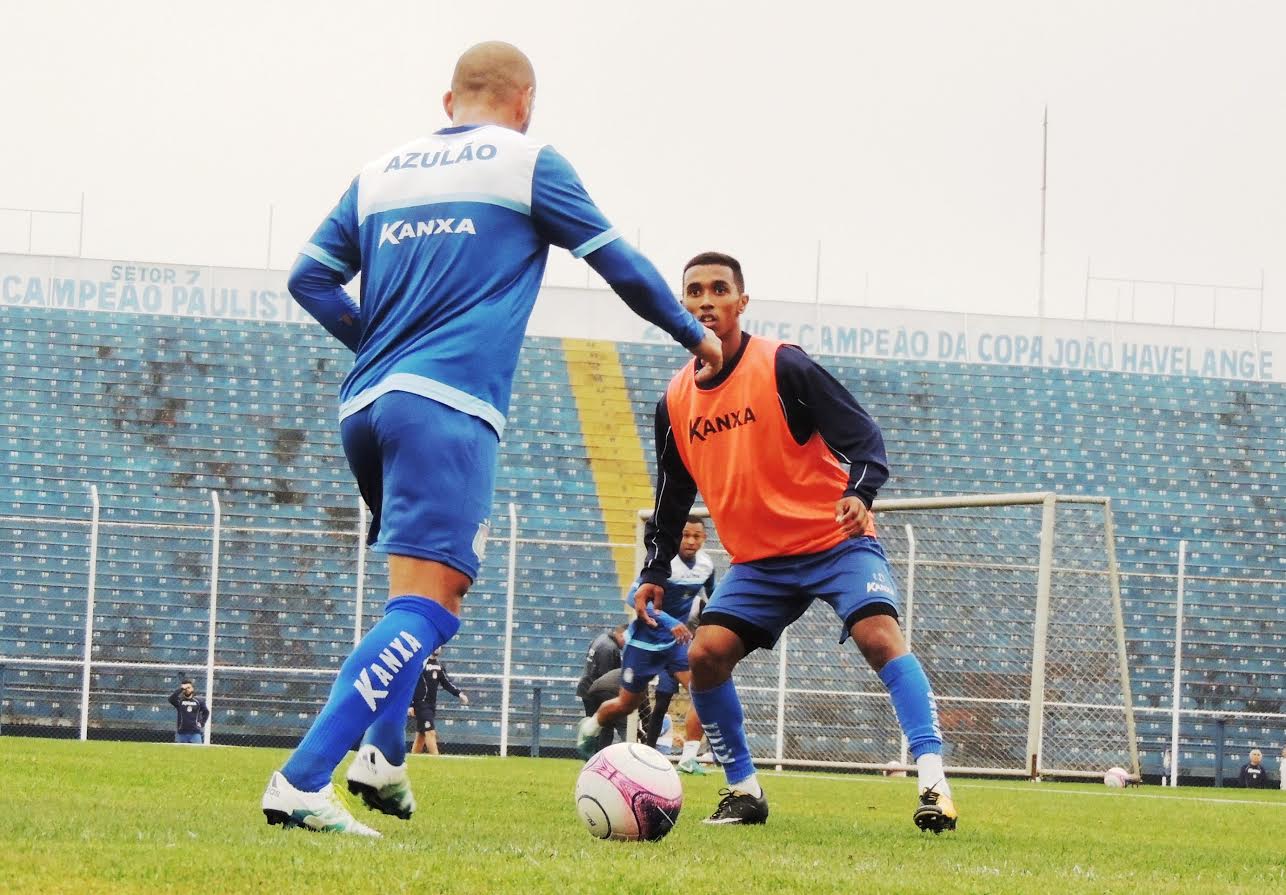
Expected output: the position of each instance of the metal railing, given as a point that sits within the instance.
(798, 715)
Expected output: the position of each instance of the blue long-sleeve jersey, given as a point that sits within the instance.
(451, 234)
(687, 579)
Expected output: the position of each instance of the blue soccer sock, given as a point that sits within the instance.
(388, 732)
(914, 704)
(725, 725)
(376, 681)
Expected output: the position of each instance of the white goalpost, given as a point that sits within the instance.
(1013, 604)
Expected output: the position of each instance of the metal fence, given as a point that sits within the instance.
(100, 619)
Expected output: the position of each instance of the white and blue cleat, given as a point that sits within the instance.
(321, 811)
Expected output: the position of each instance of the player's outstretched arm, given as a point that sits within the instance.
(566, 216)
(640, 285)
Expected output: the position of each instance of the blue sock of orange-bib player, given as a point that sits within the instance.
(913, 703)
(724, 723)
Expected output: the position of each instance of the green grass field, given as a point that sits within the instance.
(151, 818)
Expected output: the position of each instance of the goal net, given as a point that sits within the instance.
(1012, 603)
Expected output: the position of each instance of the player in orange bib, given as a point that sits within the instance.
(788, 464)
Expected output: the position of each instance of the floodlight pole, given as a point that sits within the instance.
(1044, 167)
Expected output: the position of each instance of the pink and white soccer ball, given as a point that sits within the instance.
(629, 791)
(1116, 778)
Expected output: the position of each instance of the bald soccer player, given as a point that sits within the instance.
(788, 464)
(450, 233)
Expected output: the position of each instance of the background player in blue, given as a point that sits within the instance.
(450, 233)
(696, 560)
(658, 642)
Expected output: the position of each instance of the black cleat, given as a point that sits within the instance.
(739, 808)
(936, 812)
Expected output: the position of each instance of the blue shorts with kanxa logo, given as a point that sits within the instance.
(759, 599)
(428, 472)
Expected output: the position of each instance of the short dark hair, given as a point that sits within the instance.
(697, 519)
(719, 258)
(186, 680)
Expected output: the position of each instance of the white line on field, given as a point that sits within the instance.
(1038, 788)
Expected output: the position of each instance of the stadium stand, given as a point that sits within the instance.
(158, 410)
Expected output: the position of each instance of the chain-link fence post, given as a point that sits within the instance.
(216, 533)
(510, 595)
(89, 613)
(535, 722)
(910, 611)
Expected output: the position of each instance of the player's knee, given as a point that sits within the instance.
(710, 664)
(879, 639)
(878, 655)
(629, 700)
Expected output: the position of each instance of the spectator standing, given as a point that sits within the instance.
(192, 714)
(1253, 773)
(424, 703)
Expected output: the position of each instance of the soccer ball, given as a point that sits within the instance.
(1116, 778)
(628, 791)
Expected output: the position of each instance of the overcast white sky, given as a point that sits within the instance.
(905, 137)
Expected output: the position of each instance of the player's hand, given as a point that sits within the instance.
(852, 516)
(464, 700)
(410, 712)
(710, 351)
(647, 593)
(682, 633)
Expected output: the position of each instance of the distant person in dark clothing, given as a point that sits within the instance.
(424, 704)
(1253, 773)
(607, 687)
(192, 714)
(604, 655)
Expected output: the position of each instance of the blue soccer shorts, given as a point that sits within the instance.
(428, 473)
(758, 600)
(639, 666)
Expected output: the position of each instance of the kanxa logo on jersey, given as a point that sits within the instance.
(702, 427)
(440, 157)
(394, 232)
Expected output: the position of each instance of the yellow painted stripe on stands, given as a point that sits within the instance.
(615, 450)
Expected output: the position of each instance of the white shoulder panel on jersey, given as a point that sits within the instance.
(702, 567)
(488, 164)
